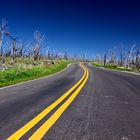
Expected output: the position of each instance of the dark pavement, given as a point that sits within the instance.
(107, 108)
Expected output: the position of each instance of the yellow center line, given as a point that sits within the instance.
(49, 123)
(19, 133)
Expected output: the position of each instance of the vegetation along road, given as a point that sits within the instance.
(79, 103)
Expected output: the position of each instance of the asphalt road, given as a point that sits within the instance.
(106, 108)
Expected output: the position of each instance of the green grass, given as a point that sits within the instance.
(113, 67)
(19, 74)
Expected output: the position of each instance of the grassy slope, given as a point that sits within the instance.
(16, 75)
(113, 67)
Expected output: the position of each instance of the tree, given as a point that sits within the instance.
(113, 55)
(14, 47)
(65, 55)
(38, 39)
(121, 55)
(7, 52)
(137, 63)
(21, 50)
(129, 55)
(3, 27)
(105, 59)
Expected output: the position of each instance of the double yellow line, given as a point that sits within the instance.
(39, 133)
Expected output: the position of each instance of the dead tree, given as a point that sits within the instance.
(137, 62)
(38, 39)
(105, 59)
(30, 53)
(98, 58)
(14, 47)
(21, 51)
(129, 54)
(56, 55)
(121, 55)
(75, 56)
(113, 56)
(83, 56)
(49, 55)
(66, 55)
(3, 27)
(7, 52)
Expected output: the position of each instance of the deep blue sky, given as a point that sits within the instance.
(91, 26)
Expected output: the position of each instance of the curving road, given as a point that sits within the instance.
(105, 106)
